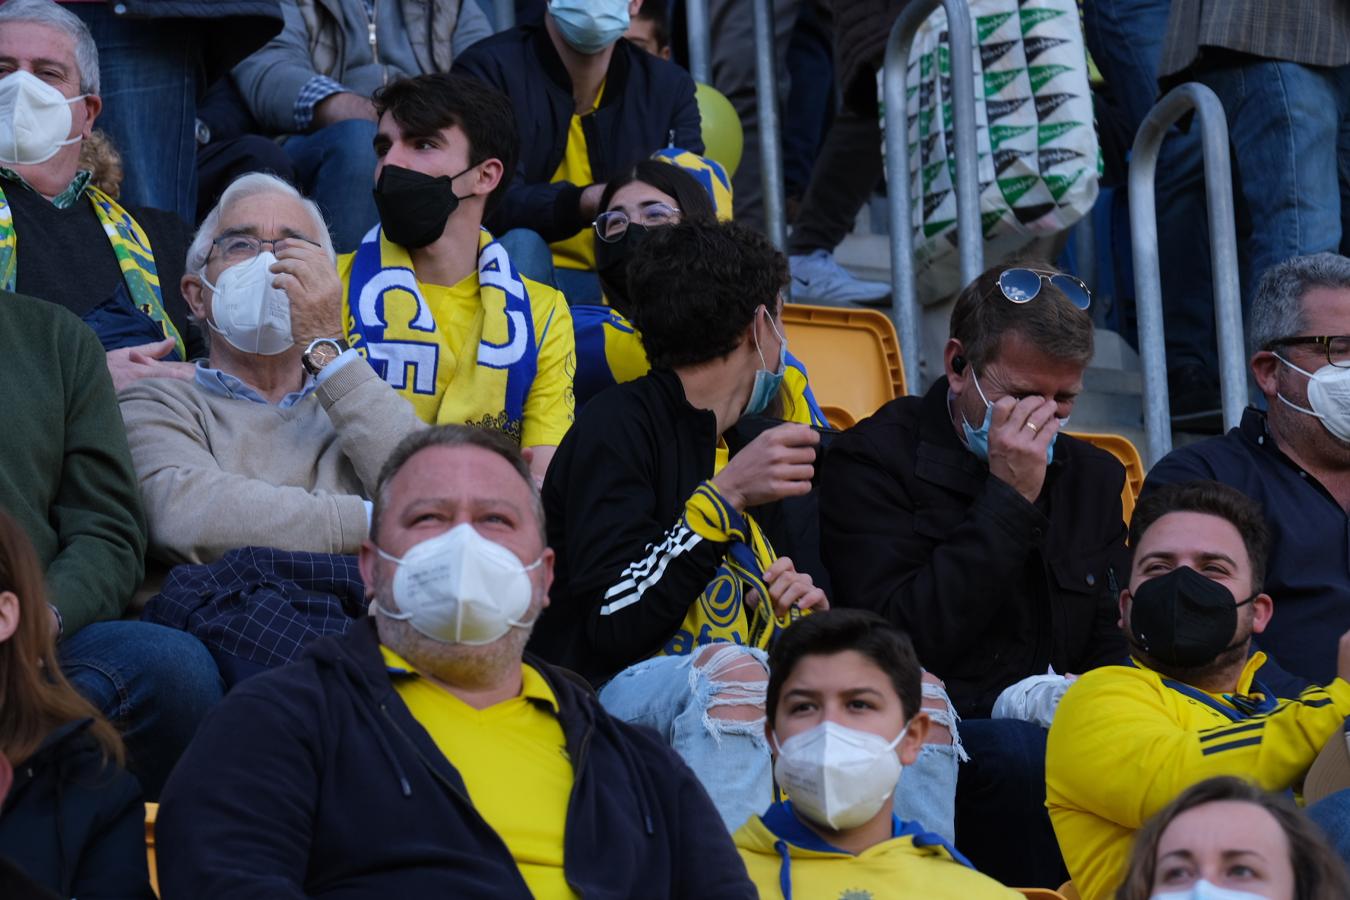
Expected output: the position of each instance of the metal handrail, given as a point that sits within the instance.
(970, 238)
(770, 147)
(1213, 126)
(696, 23)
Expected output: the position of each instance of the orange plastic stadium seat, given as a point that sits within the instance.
(851, 355)
(1122, 449)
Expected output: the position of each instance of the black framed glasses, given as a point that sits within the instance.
(1336, 346)
(1023, 286)
(611, 226)
(239, 248)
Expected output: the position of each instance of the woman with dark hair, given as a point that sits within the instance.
(1227, 839)
(72, 821)
(672, 187)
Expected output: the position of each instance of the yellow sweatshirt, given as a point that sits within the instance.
(1126, 741)
(788, 860)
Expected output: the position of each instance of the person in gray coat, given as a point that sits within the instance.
(312, 83)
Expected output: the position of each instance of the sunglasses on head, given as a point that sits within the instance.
(1023, 285)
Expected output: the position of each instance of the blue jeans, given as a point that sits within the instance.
(731, 757)
(1332, 814)
(533, 259)
(1289, 125)
(1125, 37)
(149, 72)
(1002, 824)
(153, 683)
(335, 167)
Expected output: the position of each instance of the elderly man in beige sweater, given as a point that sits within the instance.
(279, 439)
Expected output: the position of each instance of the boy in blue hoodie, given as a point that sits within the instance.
(843, 719)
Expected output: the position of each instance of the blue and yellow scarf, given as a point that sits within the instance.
(129, 244)
(390, 323)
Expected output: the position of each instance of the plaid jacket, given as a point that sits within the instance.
(1312, 32)
(257, 608)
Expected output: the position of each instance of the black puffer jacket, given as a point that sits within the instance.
(74, 822)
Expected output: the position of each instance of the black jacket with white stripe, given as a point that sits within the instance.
(628, 566)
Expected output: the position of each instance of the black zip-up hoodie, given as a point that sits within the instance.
(74, 822)
(314, 780)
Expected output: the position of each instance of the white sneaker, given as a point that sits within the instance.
(817, 278)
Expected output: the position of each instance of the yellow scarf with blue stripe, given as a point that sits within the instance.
(129, 244)
(391, 324)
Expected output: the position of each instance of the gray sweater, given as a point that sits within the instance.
(271, 78)
(218, 473)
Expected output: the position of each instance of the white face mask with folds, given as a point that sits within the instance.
(838, 776)
(1206, 890)
(461, 588)
(1329, 394)
(35, 119)
(248, 311)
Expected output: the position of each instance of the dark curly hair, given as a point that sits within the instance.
(695, 286)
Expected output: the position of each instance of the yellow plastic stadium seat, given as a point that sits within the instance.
(151, 813)
(838, 417)
(1040, 893)
(1122, 449)
(852, 357)
(1069, 892)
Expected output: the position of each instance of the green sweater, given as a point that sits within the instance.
(65, 471)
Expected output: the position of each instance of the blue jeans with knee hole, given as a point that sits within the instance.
(153, 683)
(730, 757)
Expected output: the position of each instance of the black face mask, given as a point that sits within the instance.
(415, 207)
(1183, 619)
(611, 264)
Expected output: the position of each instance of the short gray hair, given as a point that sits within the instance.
(1277, 305)
(47, 12)
(250, 185)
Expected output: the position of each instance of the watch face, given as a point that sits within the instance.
(324, 353)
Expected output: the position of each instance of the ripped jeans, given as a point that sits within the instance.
(709, 707)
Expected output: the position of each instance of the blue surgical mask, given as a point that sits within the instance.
(589, 26)
(977, 439)
(767, 384)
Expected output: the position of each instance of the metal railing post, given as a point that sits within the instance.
(1213, 127)
(970, 238)
(506, 14)
(696, 23)
(770, 149)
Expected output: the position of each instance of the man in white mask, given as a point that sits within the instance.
(278, 438)
(845, 719)
(588, 105)
(64, 240)
(1293, 458)
(424, 754)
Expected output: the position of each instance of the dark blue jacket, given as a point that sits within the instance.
(648, 103)
(1308, 571)
(75, 823)
(314, 780)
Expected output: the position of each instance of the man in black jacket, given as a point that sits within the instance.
(423, 754)
(588, 105)
(671, 509)
(968, 520)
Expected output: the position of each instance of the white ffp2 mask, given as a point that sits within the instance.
(1206, 890)
(461, 588)
(248, 311)
(35, 119)
(1329, 394)
(836, 775)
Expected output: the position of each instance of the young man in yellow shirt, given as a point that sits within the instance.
(423, 753)
(1126, 740)
(844, 719)
(430, 298)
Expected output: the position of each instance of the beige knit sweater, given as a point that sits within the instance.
(218, 473)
